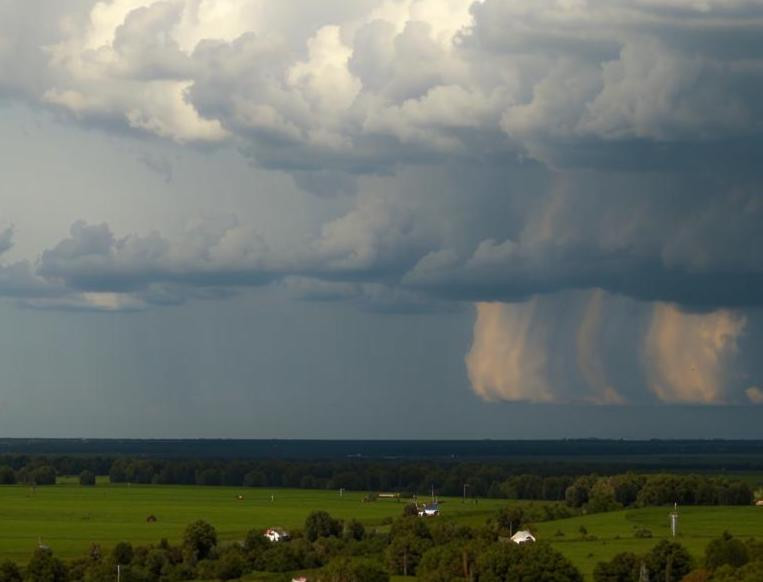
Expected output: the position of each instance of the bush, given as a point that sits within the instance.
(320, 524)
(44, 567)
(10, 572)
(230, 566)
(726, 550)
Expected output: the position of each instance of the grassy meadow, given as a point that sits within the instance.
(69, 518)
(613, 532)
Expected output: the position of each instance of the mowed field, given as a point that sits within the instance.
(614, 531)
(69, 518)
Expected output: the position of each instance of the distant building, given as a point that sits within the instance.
(300, 579)
(522, 537)
(759, 502)
(429, 510)
(276, 534)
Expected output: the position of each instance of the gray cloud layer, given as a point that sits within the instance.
(510, 151)
(630, 106)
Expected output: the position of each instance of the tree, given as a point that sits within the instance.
(510, 518)
(255, 542)
(44, 475)
(624, 567)
(576, 494)
(346, 570)
(601, 498)
(726, 550)
(410, 526)
(319, 524)
(279, 558)
(7, 476)
(230, 566)
(669, 561)
(410, 510)
(404, 553)
(254, 479)
(199, 538)
(87, 478)
(10, 572)
(44, 567)
(354, 530)
(122, 553)
(448, 562)
(537, 562)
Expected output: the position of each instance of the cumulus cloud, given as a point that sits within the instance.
(397, 80)
(581, 158)
(92, 259)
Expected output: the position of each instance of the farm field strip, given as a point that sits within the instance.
(613, 532)
(69, 518)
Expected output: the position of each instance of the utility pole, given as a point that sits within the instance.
(674, 520)
(119, 573)
(466, 486)
(643, 574)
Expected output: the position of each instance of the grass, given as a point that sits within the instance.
(614, 531)
(69, 518)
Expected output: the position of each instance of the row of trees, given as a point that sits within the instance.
(727, 559)
(591, 491)
(596, 494)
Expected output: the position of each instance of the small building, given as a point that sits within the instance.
(429, 510)
(522, 537)
(276, 534)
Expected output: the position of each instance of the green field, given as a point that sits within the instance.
(614, 531)
(69, 518)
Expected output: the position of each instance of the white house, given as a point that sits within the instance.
(276, 534)
(522, 537)
(429, 510)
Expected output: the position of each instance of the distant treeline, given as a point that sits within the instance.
(650, 454)
(497, 480)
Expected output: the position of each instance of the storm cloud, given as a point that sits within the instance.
(576, 169)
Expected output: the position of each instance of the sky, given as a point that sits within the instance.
(381, 218)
